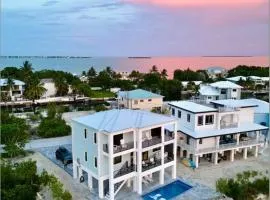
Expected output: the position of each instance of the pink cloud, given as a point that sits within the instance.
(198, 3)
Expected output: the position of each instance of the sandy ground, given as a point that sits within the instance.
(208, 175)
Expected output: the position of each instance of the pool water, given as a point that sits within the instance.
(168, 191)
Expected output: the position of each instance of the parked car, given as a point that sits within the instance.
(64, 155)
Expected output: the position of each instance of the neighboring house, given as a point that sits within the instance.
(48, 84)
(216, 72)
(83, 78)
(185, 83)
(257, 80)
(124, 75)
(220, 90)
(123, 147)
(115, 90)
(220, 131)
(139, 99)
(18, 88)
(235, 79)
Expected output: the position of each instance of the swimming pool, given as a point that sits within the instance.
(168, 191)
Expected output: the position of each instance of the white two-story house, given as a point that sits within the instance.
(123, 147)
(139, 99)
(15, 92)
(219, 90)
(217, 131)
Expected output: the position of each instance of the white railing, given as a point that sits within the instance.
(227, 109)
(228, 125)
(223, 147)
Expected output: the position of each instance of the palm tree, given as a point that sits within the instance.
(34, 90)
(164, 73)
(27, 70)
(154, 69)
(61, 86)
(10, 86)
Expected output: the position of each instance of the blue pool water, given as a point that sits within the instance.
(168, 191)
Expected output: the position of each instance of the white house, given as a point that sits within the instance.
(215, 72)
(216, 132)
(185, 83)
(123, 147)
(49, 85)
(236, 78)
(15, 93)
(139, 99)
(220, 90)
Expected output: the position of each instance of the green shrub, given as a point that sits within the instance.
(100, 107)
(54, 127)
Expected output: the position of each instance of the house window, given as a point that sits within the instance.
(149, 99)
(200, 141)
(223, 91)
(85, 133)
(234, 90)
(188, 138)
(200, 120)
(141, 100)
(95, 161)
(156, 149)
(85, 156)
(95, 138)
(209, 97)
(117, 160)
(173, 111)
(135, 101)
(209, 119)
(188, 117)
(179, 114)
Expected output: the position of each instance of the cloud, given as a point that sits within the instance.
(50, 3)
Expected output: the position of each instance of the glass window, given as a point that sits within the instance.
(200, 141)
(200, 120)
(173, 111)
(223, 91)
(117, 160)
(135, 101)
(95, 161)
(141, 100)
(234, 90)
(209, 119)
(149, 99)
(95, 138)
(85, 156)
(188, 117)
(85, 133)
(209, 97)
(179, 114)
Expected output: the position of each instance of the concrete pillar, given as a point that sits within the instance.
(111, 177)
(245, 153)
(134, 184)
(139, 184)
(174, 152)
(161, 176)
(257, 135)
(232, 156)
(75, 170)
(90, 182)
(100, 189)
(217, 141)
(128, 183)
(216, 158)
(237, 138)
(196, 160)
(181, 152)
(256, 151)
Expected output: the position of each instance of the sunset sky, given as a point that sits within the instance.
(135, 27)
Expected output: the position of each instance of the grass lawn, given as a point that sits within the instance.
(102, 94)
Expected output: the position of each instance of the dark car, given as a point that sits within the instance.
(64, 155)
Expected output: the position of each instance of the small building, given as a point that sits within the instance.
(139, 99)
(216, 72)
(123, 147)
(185, 83)
(15, 93)
(218, 131)
(235, 79)
(219, 90)
(49, 85)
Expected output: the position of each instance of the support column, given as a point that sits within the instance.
(245, 153)
(216, 158)
(161, 176)
(90, 182)
(111, 184)
(232, 156)
(196, 161)
(128, 183)
(75, 170)
(181, 152)
(217, 141)
(256, 151)
(139, 161)
(134, 184)
(257, 135)
(162, 147)
(100, 189)
(139, 184)
(174, 152)
(237, 138)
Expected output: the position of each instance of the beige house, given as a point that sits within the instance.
(139, 99)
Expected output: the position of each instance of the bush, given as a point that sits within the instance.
(53, 127)
(100, 107)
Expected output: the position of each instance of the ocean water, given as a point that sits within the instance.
(77, 65)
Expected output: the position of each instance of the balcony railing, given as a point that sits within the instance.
(193, 150)
(168, 159)
(151, 142)
(124, 170)
(119, 148)
(150, 165)
(227, 109)
(168, 138)
(228, 125)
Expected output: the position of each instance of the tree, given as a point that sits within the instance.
(164, 74)
(104, 79)
(154, 69)
(171, 90)
(14, 134)
(27, 71)
(5, 97)
(91, 73)
(34, 89)
(83, 73)
(10, 85)
(61, 86)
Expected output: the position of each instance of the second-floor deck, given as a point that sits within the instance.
(119, 148)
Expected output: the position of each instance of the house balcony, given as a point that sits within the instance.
(119, 148)
(228, 125)
(151, 142)
(168, 159)
(227, 109)
(124, 170)
(168, 138)
(150, 164)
